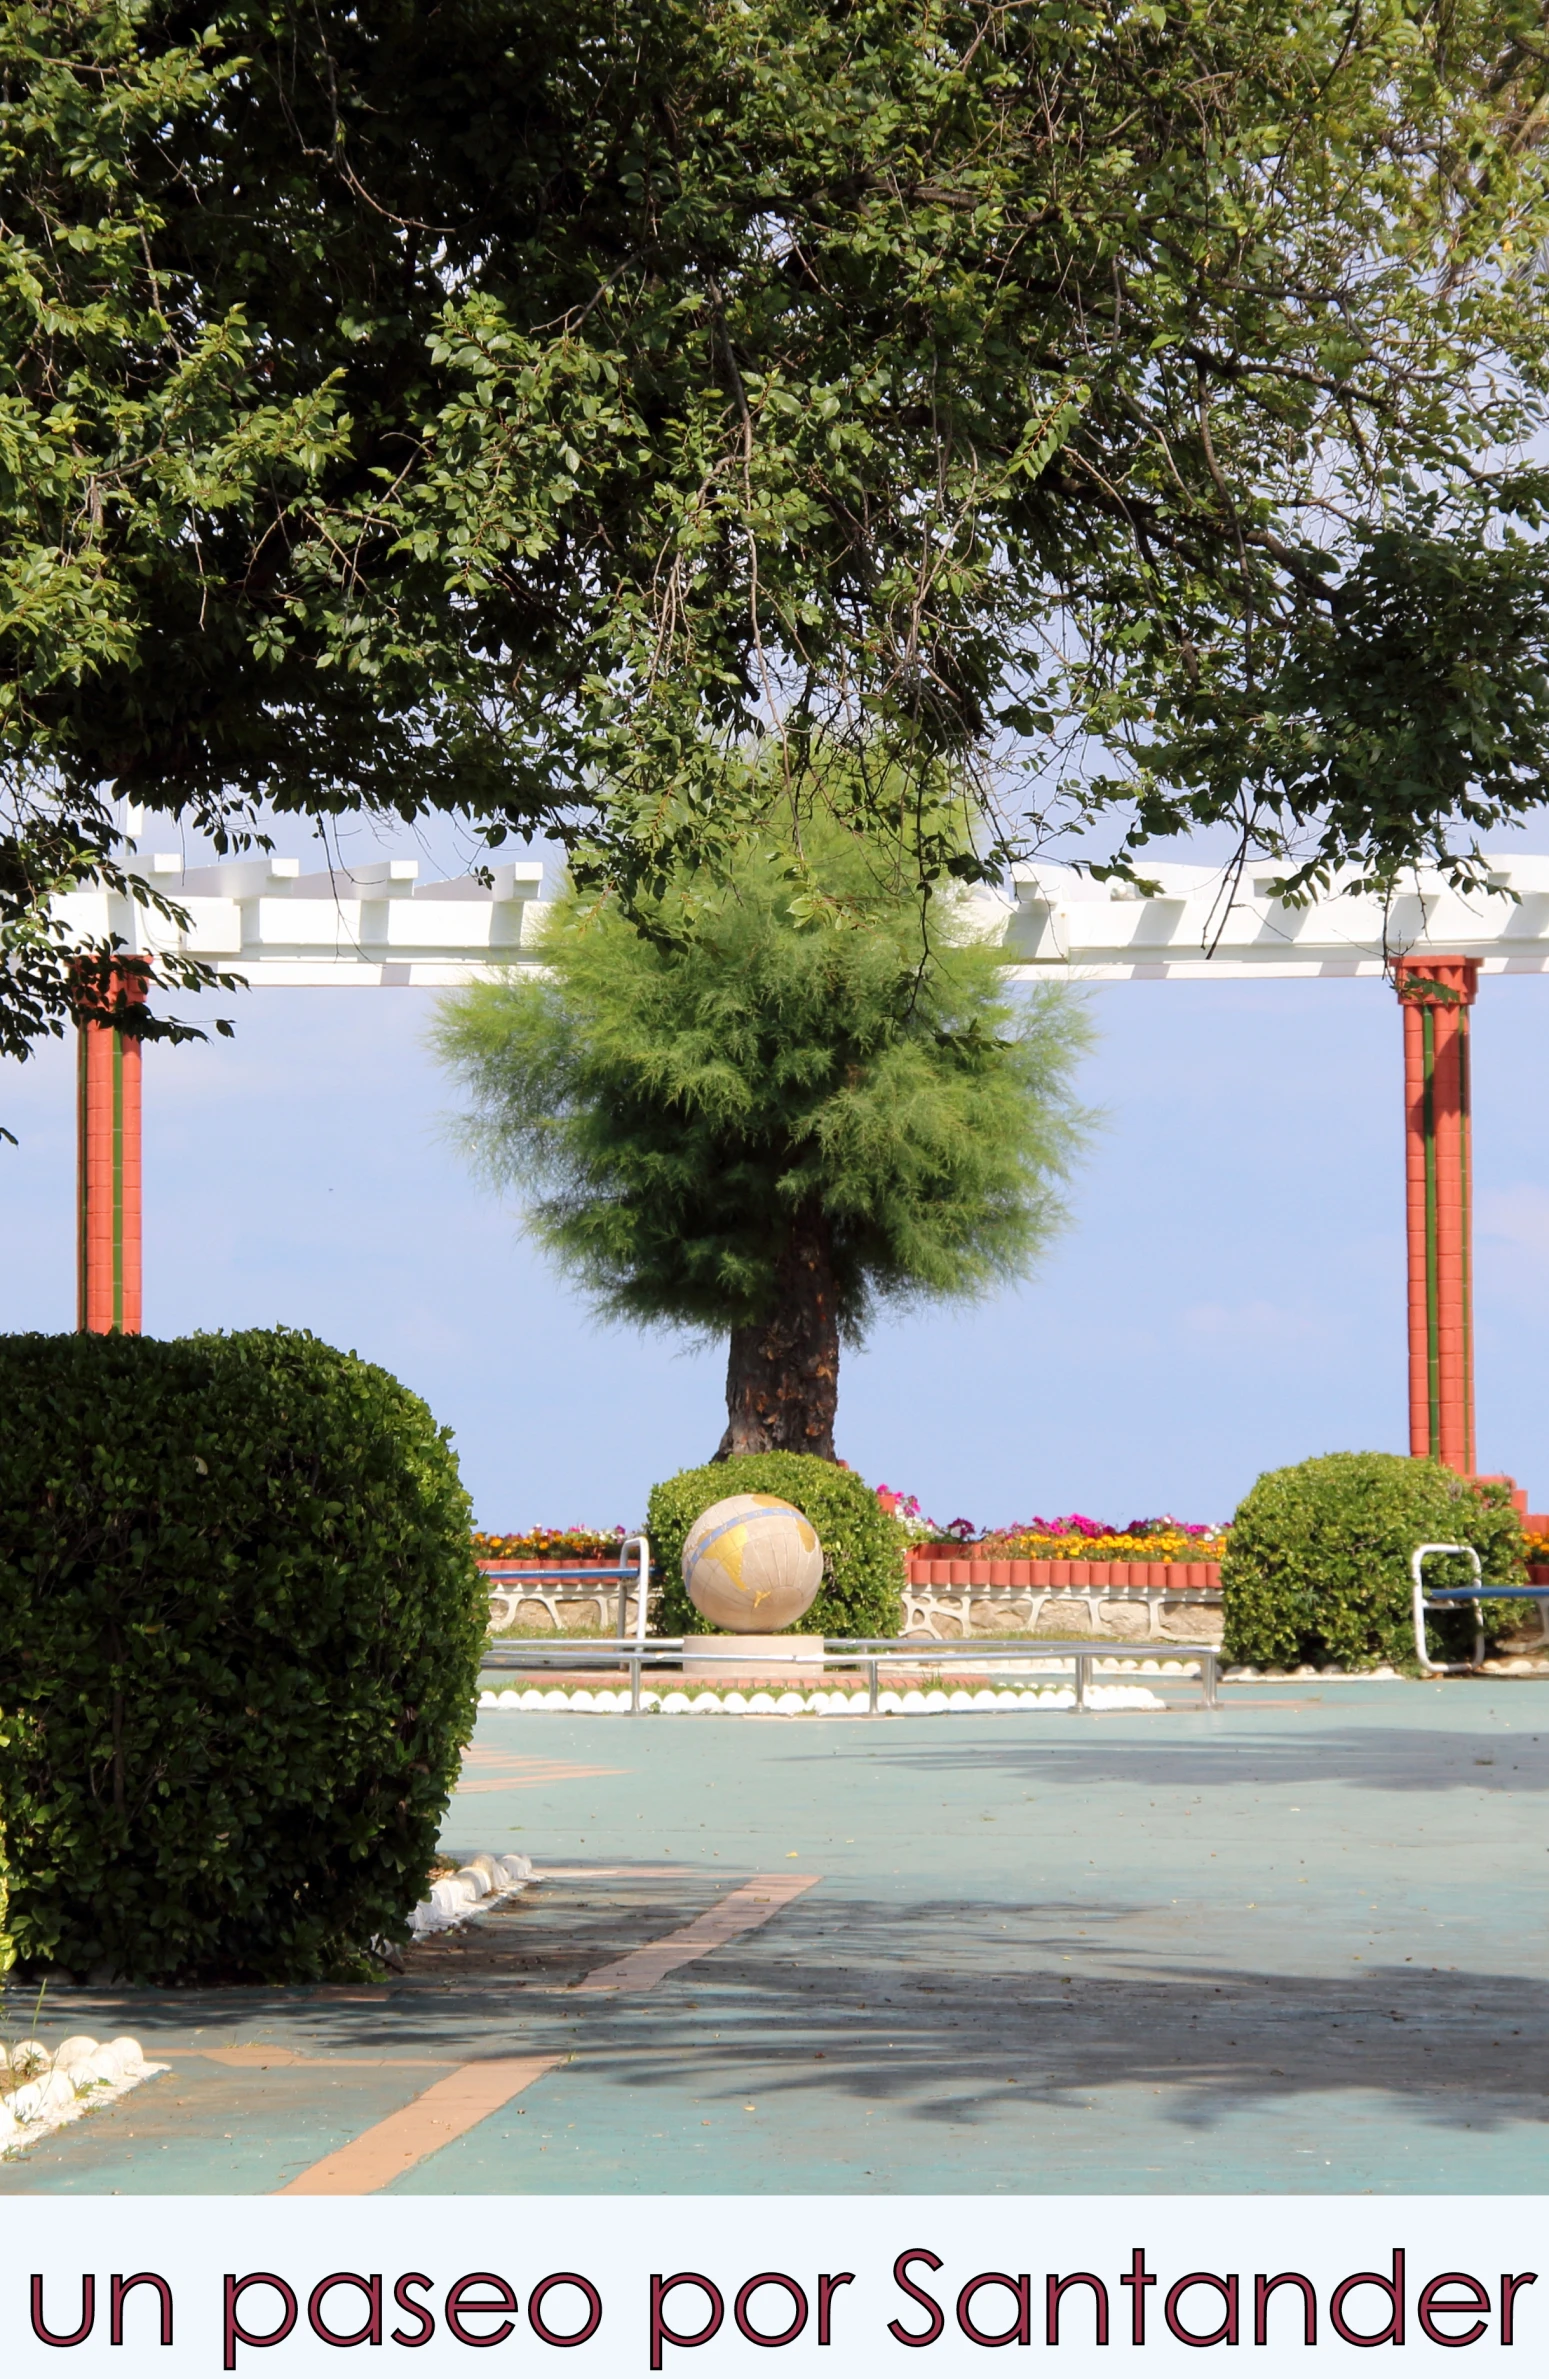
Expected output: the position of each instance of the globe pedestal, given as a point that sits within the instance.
(760, 1660)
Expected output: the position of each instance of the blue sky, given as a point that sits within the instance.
(1229, 1296)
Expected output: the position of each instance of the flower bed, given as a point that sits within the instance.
(1072, 1538)
(533, 1545)
(1175, 1556)
(1140, 1540)
(1119, 1544)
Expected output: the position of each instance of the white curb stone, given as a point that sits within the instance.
(838, 1703)
(40, 2090)
(483, 1883)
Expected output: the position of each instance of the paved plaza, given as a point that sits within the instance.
(1298, 1943)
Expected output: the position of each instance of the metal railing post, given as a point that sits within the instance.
(871, 1687)
(1082, 1662)
(634, 1688)
(643, 1591)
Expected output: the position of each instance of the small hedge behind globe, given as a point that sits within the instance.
(1316, 1567)
(240, 1629)
(863, 1548)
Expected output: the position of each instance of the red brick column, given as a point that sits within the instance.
(1437, 994)
(108, 1170)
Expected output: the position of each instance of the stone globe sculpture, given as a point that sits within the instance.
(752, 1564)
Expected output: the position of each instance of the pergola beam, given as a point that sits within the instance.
(378, 924)
(1203, 928)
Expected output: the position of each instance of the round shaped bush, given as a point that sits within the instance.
(240, 1625)
(1317, 1563)
(863, 1547)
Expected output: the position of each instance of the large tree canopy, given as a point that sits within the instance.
(523, 409)
(770, 1115)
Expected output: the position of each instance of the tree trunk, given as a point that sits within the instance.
(782, 1375)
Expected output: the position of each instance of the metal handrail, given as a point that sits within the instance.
(1417, 1562)
(642, 1589)
(870, 1654)
(1445, 1598)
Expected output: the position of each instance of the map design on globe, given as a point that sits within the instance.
(752, 1561)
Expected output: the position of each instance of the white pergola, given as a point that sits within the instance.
(1199, 928)
(372, 924)
(377, 924)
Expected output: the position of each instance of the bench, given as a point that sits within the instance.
(1447, 1598)
(511, 1583)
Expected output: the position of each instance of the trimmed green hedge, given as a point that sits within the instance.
(9, 1728)
(1317, 1562)
(240, 1626)
(863, 1547)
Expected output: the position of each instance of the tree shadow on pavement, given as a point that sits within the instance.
(885, 2009)
(1369, 1759)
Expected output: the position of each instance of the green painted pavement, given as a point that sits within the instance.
(1296, 1944)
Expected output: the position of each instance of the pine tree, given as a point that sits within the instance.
(795, 1096)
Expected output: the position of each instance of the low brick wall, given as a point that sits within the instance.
(540, 1569)
(1172, 1577)
(562, 1607)
(949, 1594)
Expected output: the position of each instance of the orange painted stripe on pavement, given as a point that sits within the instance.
(750, 1905)
(532, 1763)
(501, 1772)
(439, 2115)
(450, 2107)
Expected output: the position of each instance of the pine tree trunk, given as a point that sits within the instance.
(782, 1375)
